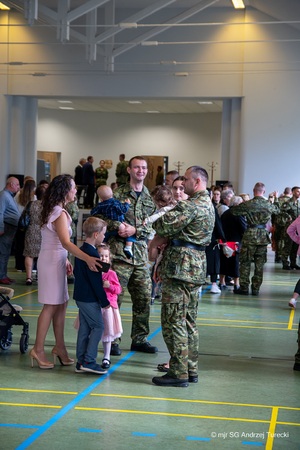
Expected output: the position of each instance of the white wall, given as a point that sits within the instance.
(188, 138)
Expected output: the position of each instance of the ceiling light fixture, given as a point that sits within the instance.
(205, 103)
(64, 101)
(66, 107)
(126, 25)
(149, 43)
(3, 7)
(238, 4)
(134, 102)
(152, 112)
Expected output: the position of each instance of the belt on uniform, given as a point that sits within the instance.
(180, 243)
(257, 226)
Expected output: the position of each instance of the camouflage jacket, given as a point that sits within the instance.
(289, 211)
(121, 172)
(190, 221)
(73, 210)
(101, 175)
(257, 211)
(141, 207)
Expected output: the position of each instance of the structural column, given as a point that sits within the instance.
(18, 132)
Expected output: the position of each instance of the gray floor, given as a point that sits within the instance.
(247, 395)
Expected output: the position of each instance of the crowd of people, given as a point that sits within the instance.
(192, 235)
(88, 179)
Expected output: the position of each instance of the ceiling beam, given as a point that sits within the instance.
(155, 31)
(134, 18)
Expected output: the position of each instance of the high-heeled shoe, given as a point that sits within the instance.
(63, 359)
(42, 364)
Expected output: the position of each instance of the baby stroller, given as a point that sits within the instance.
(9, 316)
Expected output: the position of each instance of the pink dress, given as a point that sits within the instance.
(111, 316)
(294, 232)
(52, 275)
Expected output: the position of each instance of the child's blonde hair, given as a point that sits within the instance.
(93, 225)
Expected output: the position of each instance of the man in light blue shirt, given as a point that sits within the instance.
(9, 217)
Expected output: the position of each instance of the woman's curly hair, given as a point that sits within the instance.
(55, 195)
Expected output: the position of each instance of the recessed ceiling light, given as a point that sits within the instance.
(134, 102)
(152, 112)
(238, 4)
(3, 7)
(66, 107)
(64, 101)
(205, 103)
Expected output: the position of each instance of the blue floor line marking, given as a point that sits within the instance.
(31, 439)
(138, 434)
(89, 430)
(257, 444)
(196, 438)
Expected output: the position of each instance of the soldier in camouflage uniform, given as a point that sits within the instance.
(134, 273)
(258, 212)
(189, 228)
(122, 176)
(289, 211)
(279, 228)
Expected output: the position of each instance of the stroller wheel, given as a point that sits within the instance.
(6, 340)
(24, 343)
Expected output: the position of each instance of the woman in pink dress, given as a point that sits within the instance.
(53, 268)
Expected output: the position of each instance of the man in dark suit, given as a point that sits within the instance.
(88, 179)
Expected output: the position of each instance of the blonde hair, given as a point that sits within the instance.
(93, 225)
(104, 192)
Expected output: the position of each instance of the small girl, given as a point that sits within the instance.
(111, 316)
(164, 201)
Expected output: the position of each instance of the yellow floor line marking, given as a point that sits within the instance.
(24, 295)
(242, 326)
(206, 402)
(295, 424)
(270, 440)
(291, 320)
(168, 414)
(39, 391)
(28, 405)
(240, 321)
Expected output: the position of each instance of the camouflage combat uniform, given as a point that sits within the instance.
(121, 173)
(279, 228)
(101, 176)
(289, 211)
(183, 271)
(258, 212)
(134, 273)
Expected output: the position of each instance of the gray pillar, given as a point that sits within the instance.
(18, 135)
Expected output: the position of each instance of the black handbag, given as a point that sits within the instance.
(24, 219)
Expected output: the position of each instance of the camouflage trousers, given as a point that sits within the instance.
(289, 251)
(136, 279)
(178, 319)
(297, 355)
(258, 255)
